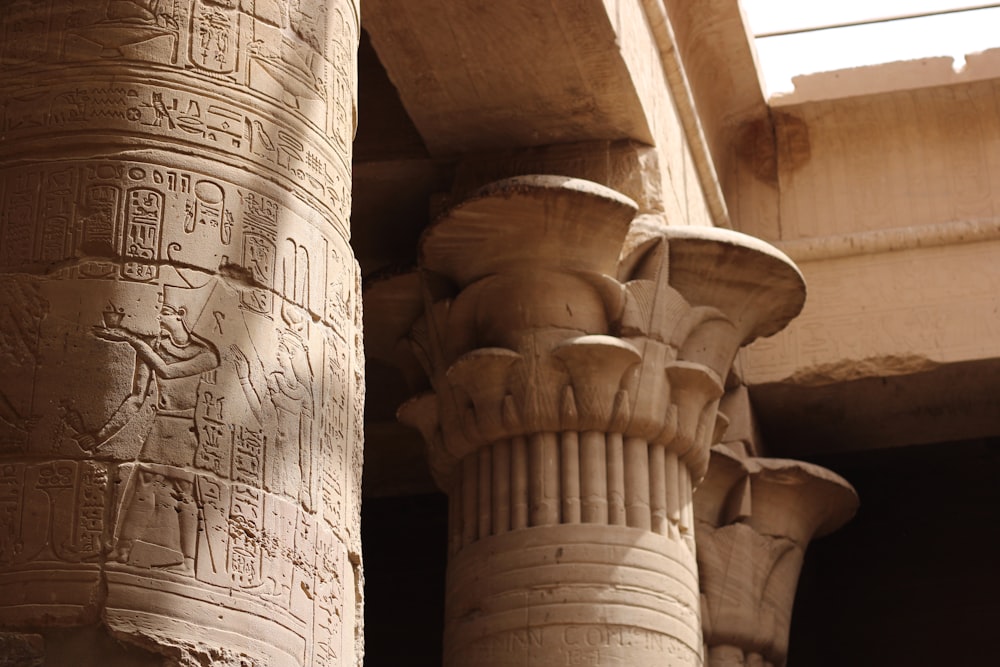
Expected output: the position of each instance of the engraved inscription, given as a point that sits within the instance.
(174, 451)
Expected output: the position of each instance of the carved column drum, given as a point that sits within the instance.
(181, 371)
(573, 395)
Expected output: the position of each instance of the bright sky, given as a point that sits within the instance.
(783, 57)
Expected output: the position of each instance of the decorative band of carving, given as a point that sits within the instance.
(571, 477)
(130, 220)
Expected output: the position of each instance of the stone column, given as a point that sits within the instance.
(181, 372)
(755, 518)
(572, 406)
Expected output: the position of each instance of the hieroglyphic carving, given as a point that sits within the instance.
(52, 511)
(145, 110)
(132, 29)
(11, 490)
(209, 210)
(247, 521)
(22, 310)
(259, 251)
(160, 400)
(140, 241)
(303, 141)
(56, 207)
(288, 395)
(328, 626)
(356, 461)
(338, 290)
(211, 485)
(20, 210)
(333, 430)
(215, 436)
(215, 30)
(145, 214)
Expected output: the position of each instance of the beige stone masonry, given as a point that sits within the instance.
(572, 401)
(891, 77)
(886, 205)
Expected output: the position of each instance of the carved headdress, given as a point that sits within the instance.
(296, 321)
(187, 302)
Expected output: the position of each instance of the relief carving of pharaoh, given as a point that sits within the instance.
(159, 511)
(167, 373)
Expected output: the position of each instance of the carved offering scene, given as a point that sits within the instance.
(186, 364)
(181, 361)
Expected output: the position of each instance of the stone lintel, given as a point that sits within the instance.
(842, 363)
(470, 79)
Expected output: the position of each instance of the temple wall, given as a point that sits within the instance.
(886, 202)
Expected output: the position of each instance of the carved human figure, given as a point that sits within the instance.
(132, 465)
(159, 522)
(159, 507)
(168, 368)
(289, 391)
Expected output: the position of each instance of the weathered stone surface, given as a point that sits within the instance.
(21, 650)
(891, 77)
(461, 69)
(881, 338)
(181, 370)
(742, 430)
(719, 63)
(886, 203)
(573, 400)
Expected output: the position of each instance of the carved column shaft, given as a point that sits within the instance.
(573, 401)
(181, 373)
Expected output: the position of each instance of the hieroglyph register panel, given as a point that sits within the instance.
(181, 372)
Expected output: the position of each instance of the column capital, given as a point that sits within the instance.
(755, 518)
(534, 310)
